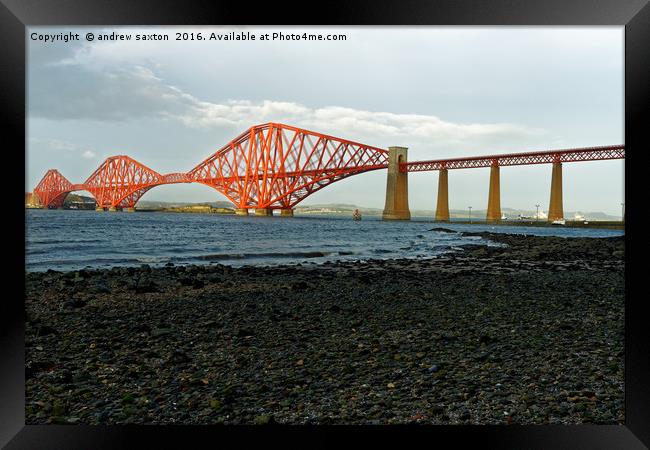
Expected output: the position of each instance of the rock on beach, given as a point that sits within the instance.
(527, 333)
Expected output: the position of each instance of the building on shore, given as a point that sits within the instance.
(31, 200)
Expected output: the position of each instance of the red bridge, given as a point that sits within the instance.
(275, 166)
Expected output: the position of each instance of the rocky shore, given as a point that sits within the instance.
(528, 333)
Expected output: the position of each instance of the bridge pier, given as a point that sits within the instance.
(286, 212)
(99, 208)
(442, 207)
(112, 208)
(397, 196)
(241, 211)
(494, 195)
(263, 212)
(555, 209)
(130, 209)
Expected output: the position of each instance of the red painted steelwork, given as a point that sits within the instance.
(53, 188)
(268, 166)
(275, 166)
(517, 159)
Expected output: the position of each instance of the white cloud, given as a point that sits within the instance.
(137, 92)
(60, 147)
(55, 145)
(334, 119)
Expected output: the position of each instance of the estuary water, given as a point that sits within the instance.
(72, 239)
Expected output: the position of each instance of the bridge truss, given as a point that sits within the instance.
(272, 166)
(519, 159)
(276, 166)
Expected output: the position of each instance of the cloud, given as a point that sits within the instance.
(348, 121)
(79, 92)
(56, 145)
(61, 148)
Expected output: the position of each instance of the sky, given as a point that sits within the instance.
(440, 91)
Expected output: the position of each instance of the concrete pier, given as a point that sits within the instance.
(112, 209)
(494, 196)
(241, 211)
(555, 209)
(99, 208)
(263, 212)
(131, 209)
(442, 206)
(286, 212)
(397, 196)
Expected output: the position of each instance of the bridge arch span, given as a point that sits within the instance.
(273, 166)
(198, 188)
(276, 166)
(270, 166)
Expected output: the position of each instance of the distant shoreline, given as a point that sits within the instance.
(598, 224)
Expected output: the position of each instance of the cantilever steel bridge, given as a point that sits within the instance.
(276, 166)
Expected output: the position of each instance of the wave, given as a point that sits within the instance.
(153, 259)
(96, 260)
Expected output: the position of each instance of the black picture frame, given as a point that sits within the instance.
(16, 15)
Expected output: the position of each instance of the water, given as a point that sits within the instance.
(71, 240)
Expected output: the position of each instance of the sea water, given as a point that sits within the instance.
(73, 239)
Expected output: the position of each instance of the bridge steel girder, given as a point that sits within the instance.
(277, 166)
(519, 159)
(52, 189)
(120, 181)
(270, 166)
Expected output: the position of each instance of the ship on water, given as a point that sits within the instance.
(356, 215)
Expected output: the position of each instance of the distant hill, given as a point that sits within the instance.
(347, 209)
(337, 209)
(75, 198)
(152, 204)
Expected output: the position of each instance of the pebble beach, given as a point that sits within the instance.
(530, 332)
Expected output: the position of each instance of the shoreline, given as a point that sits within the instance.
(591, 224)
(528, 333)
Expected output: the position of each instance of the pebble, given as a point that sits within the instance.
(460, 338)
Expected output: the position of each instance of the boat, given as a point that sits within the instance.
(558, 222)
(504, 217)
(356, 215)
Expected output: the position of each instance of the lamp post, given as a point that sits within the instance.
(537, 215)
(470, 214)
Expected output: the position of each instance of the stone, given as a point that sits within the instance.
(74, 303)
(45, 330)
(264, 419)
